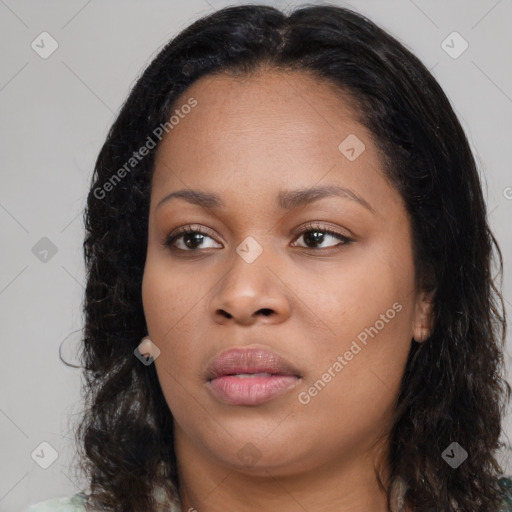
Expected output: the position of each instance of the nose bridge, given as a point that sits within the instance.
(248, 286)
(248, 274)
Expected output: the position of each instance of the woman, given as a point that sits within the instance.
(290, 302)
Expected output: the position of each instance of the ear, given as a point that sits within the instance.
(423, 317)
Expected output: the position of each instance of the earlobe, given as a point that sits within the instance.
(423, 318)
(421, 334)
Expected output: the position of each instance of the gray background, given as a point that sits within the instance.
(55, 114)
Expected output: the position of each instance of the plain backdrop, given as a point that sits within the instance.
(55, 113)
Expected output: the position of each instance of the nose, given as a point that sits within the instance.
(251, 292)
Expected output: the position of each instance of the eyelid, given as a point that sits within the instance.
(189, 227)
(297, 232)
(322, 226)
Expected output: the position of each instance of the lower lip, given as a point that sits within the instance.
(235, 390)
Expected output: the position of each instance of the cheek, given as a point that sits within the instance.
(174, 308)
(357, 375)
(168, 296)
(165, 306)
(369, 310)
(161, 302)
(169, 311)
(361, 292)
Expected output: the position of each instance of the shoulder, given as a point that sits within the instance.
(506, 486)
(74, 503)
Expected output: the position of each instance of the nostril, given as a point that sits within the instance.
(266, 311)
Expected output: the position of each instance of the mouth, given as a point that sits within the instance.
(251, 377)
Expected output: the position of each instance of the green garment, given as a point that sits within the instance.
(75, 503)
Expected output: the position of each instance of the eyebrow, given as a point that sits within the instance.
(286, 200)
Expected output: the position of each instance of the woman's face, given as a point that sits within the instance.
(303, 263)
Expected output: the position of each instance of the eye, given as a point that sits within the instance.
(316, 235)
(190, 238)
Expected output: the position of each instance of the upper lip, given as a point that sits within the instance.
(249, 360)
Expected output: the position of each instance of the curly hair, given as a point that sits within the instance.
(452, 389)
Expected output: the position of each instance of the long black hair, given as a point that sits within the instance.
(452, 389)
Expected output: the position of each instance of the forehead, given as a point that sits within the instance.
(294, 107)
(269, 129)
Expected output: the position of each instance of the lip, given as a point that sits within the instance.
(250, 376)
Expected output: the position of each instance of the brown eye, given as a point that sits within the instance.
(315, 236)
(187, 239)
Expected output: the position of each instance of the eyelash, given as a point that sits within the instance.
(309, 228)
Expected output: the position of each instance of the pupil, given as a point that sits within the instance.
(314, 236)
(198, 239)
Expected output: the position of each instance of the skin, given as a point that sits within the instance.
(247, 139)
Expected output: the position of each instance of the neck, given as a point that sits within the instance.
(345, 485)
